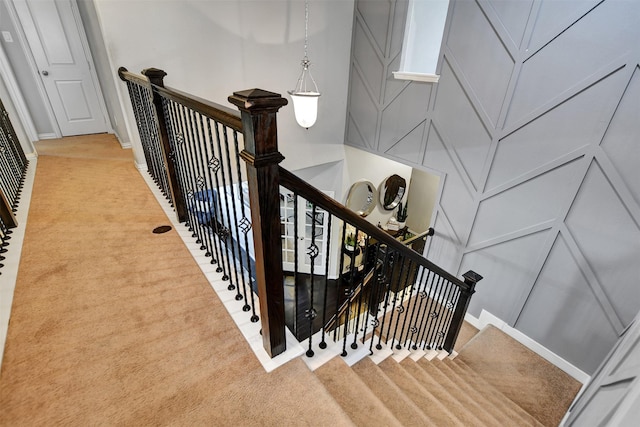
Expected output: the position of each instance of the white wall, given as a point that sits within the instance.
(213, 48)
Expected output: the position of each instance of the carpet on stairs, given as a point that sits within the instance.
(534, 384)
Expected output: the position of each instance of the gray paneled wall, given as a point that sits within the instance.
(535, 124)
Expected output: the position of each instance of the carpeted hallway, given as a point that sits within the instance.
(114, 325)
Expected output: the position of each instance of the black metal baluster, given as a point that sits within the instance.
(400, 308)
(433, 314)
(296, 284)
(351, 292)
(444, 310)
(408, 302)
(362, 284)
(322, 343)
(245, 225)
(190, 178)
(312, 252)
(339, 282)
(397, 264)
(199, 183)
(372, 301)
(413, 329)
(225, 231)
(386, 281)
(154, 129)
(214, 167)
(235, 248)
(424, 318)
(207, 192)
(450, 306)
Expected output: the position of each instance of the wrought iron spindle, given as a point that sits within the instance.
(235, 247)
(199, 183)
(245, 225)
(434, 314)
(409, 301)
(444, 310)
(452, 301)
(312, 252)
(415, 310)
(225, 231)
(322, 343)
(296, 278)
(339, 283)
(396, 264)
(426, 314)
(400, 309)
(382, 296)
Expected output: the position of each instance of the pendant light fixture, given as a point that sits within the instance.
(305, 95)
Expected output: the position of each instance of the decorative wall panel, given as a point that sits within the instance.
(534, 126)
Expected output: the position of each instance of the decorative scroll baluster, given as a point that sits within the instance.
(322, 343)
(312, 251)
(432, 313)
(245, 224)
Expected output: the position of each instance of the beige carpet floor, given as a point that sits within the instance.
(114, 325)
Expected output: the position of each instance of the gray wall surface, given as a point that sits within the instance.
(535, 124)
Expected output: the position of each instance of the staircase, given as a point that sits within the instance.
(522, 389)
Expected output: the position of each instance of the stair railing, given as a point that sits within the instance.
(392, 296)
(13, 169)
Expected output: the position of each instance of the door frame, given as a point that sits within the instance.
(13, 14)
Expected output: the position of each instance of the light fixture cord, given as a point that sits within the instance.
(306, 26)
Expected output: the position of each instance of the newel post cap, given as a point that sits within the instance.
(257, 99)
(471, 277)
(155, 75)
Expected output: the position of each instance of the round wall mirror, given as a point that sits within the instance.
(391, 191)
(362, 197)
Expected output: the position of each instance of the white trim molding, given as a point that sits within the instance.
(487, 318)
(416, 77)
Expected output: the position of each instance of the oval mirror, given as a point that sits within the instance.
(391, 191)
(362, 197)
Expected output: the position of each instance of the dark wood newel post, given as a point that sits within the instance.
(470, 279)
(156, 77)
(258, 109)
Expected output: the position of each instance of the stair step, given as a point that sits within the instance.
(448, 396)
(353, 395)
(419, 394)
(404, 409)
(471, 398)
(458, 371)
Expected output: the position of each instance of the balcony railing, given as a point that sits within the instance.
(279, 241)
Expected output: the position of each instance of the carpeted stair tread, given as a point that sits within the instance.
(450, 390)
(353, 395)
(482, 393)
(536, 385)
(419, 393)
(404, 409)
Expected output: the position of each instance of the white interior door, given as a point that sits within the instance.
(57, 43)
(310, 223)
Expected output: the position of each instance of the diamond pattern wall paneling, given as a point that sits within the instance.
(534, 125)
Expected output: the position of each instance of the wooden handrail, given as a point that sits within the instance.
(217, 112)
(312, 194)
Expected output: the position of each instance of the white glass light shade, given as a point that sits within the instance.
(305, 106)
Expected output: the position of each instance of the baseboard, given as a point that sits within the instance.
(123, 144)
(33, 155)
(487, 318)
(50, 135)
(142, 167)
